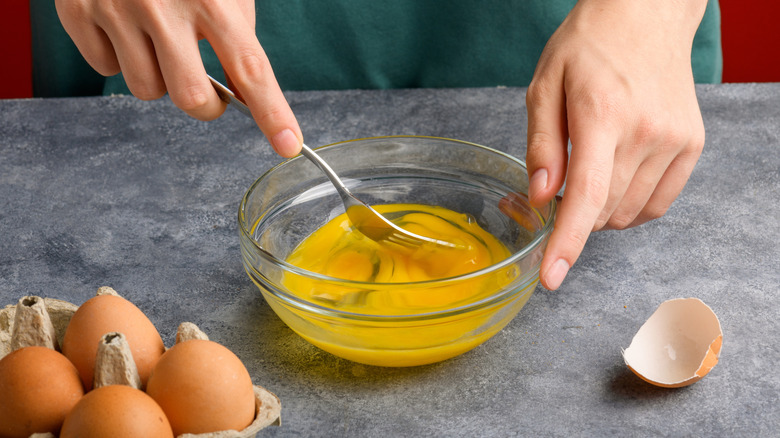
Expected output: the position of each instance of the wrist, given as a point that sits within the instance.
(668, 16)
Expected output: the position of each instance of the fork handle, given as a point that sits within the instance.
(227, 95)
(341, 188)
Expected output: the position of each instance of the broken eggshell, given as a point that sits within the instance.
(677, 346)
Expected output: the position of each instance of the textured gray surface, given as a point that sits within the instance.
(136, 195)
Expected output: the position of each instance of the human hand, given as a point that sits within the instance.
(154, 43)
(615, 79)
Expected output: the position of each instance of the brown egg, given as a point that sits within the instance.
(109, 313)
(203, 387)
(38, 387)
(116, 411)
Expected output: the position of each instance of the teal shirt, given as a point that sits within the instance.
(345, 44)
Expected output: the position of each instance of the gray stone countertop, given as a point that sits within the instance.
(138, 196)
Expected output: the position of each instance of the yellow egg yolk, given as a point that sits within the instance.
(338, 250)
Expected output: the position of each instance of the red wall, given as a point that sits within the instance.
(751, 40)
(16, 70)
(751, 44)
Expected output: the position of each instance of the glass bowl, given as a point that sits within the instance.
(294, 199)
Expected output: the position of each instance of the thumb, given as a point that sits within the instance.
(548, 137)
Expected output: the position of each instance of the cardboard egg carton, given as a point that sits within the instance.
(43, 321)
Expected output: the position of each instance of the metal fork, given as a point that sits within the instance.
(364, 218)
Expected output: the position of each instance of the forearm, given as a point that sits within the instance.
(675, 18)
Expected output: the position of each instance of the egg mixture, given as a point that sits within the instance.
(391, 281)
(338, 250)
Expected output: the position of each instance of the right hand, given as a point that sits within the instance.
(616, 81)
(154, 43)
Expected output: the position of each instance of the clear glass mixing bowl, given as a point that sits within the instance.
(294, 199)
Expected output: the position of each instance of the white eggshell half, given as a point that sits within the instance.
(678, 345)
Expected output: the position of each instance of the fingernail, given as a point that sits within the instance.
(537, 183)
(556, 273)
(286, 143)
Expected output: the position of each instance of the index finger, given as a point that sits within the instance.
(233, 38)
(585, 194)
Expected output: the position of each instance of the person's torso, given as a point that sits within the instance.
(344, 44)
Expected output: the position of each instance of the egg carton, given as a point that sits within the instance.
(48, 318)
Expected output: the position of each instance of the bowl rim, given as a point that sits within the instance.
(540, 236)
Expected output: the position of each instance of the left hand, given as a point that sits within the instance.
(615, 79)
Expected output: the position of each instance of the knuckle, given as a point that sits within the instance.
(268, 115)
(534, 92)
(647, 129)
(655, 211)
(668, 136)
(107, 10)
(147, 5)
(147, 90)
(601, 221)
(153, 13)
(538, 142)
(106, 67)
(211, 7)
(190, 98)
(574, 240)
(698, 139)
(605, 107)
(250, 68)
(599, 104)
(539, 90)
(70, 10)
(620, 221)
(649, 213)
(593, 187)
(675, 139)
